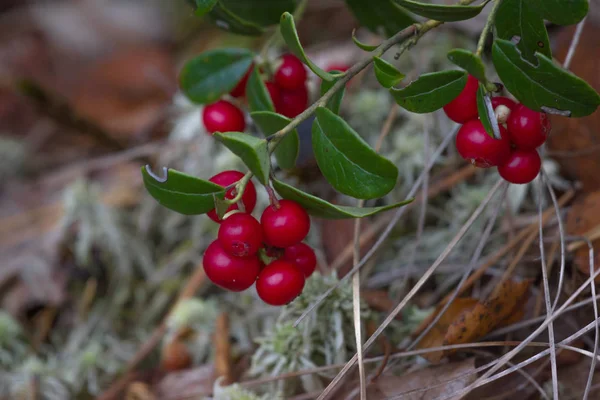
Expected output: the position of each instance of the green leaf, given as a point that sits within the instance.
(469, 62)
(252, 151)
(561, 12)
(516, 18)
(290, 35)
(346, 160)
(287, 151)
(206, 78)
(204, 6)
(542, 85)
(335, 102)
(484, 113)
(260, 12)
(441, 12)
(361, 45)
(257, 94)
(387, 75)
(431, 91)
(230, 22)
(180, 192)
(384, 16)
(322, 209)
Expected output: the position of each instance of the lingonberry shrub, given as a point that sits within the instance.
(528, 129)
(223, 116)
(241, 235)
(285, 223)
(279, 283)
(303, 256)
(227, 178)
(230, 272)
(464, 107)
(476, 146)
(291, 74)
(521, 167)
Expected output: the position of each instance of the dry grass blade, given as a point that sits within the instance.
(574, 43)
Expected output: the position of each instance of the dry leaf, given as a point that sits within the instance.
(192, 383)
(139, 391)
(583, 217)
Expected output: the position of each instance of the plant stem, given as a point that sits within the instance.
(488, 27)
(240, 187)
(276, 36)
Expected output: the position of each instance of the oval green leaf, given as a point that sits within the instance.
(322, 209)
(440, 12)
(206, 78)
(468, 61)
(384, 17)
(204, 6)
(257, 94)
(252, 151)
(288, 148)
(431, 91)
(545, 85)
(486, 112)
(226, 20)
(260, 12)
(387, 75)
(361, 45)
(335, 102)
(561, 12)
(517, 19)
(346, 160)
(180, 192)
(290, 35)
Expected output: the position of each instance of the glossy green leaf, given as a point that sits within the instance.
(517, 19)
(204, 6)
(260, 12)
(542, 85)
(431, 91)
(287, 150)
(441, 12)
(346, 160)
(468, 61)
(485, 115)
(384, 16)
(322, 209)
(387, 75)
(561, 12)
(209, 76)
(180, 192)
(290, 35)
(257, 94)
(252, 151)
(335, 102)
(361, 45)
(226, 20)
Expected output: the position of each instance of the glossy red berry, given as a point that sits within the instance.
(223, 116)
(241, 235)
(274, 92)
(280, 283)
(503, 101)
(303, 256)
(285, 226)
(240, 89)
(528, 129)
(476, 146)
(229, 272)
(291, 74)
(522, 166)
(292, 102)
(227, 178)
(464, 107)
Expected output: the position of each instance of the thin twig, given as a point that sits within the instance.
(574, 43)
(597, 329)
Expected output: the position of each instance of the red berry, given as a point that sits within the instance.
(522, 166)
(240, 89)
(464, 107)
(303, 256)
(227, 178)
(292, 102)
(503, 101)
(279, 283)
(229, 272)
(241, 235)
(274, 92)
(476, 146)
(285, 226)
(528, 129)
(291, 74)
(223, 116)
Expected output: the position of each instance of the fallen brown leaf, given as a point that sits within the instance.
(583, 217)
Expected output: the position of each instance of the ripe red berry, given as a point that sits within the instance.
(279, 283)
(229, 272)
(303, 256)
(503, 101)
(223, 116)
(464, 107)
(476, 146)
(292, 102)
(528, 129)
(291, 74)
(522, 166)
(175, 356)
(240, 89)
(285, 226)
(274, 92)
(241, 235)
(227, 178)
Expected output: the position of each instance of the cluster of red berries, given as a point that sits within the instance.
(522, 132)
(287, 90)
(269, 252)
